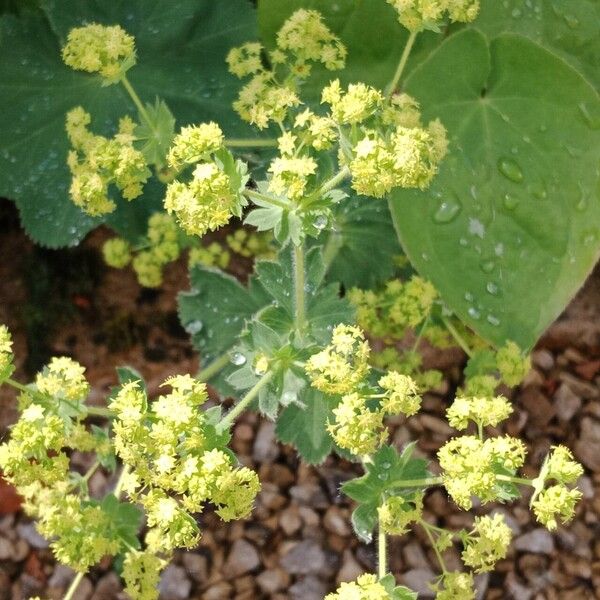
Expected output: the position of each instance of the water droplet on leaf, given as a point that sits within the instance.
(194, 327)
(447, 211)
(510, 169)
(510, 201)
(238, 359)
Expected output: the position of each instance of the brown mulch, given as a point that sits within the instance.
(298, 543)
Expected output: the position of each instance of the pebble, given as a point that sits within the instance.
(335, 522)
(567, 403)
(265, 448)
(290, 521)
(7, 549)
(174, 584)
(544, 359)
(587, 447)
(30, 534)
(418, 580)
(242, 559)
(538, 541)
(107, 587)
(308, 588)
(350, 570)
(303, 558)
(196, 566)
(273, 580)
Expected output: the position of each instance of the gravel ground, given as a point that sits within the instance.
(298, 543)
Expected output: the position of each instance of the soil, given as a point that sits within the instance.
(298, 543)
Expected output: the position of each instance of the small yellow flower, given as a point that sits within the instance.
(487, 544)
(116, 253)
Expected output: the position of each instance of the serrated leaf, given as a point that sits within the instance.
(128, 374)
(364, 520)
(361, 246)
(156, 136)
(305, 427)
(507, 232)
(181, 53)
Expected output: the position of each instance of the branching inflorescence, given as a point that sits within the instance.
(173, 451)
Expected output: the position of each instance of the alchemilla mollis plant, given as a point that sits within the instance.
(288, 344)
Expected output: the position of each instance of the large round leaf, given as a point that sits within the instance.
(508, 230)
(181, 52)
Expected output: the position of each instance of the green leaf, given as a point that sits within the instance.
(158, 133)
(507, 232)
(362, 244)
(364, 520)
(126, 519)
(181, 52)
(569, 29)
(370, 31)
(305, 427)
(129, 374)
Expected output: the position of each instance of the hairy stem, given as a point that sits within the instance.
(402, 64)
(121, 481)
(332, 246)
(417, 483)
(251, 143)
(138, 103)
(334, 181)
(73, 587)
(253, 195)
(518, 480)
(299, 292)
(214, 367)
(17, 385)
(381, 554)
(456, 335)
(244, 402)
(99, 411)
(438, 555)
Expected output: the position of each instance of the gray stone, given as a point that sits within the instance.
(419, 580)
(30, 534)
(265, 447)
(242, 558)
(538, 541)
(304, 558)
(587, 447)
(308, 588)
(7, 549)
(272, 580)
(567, 402)
(174, 584)
(196, 565)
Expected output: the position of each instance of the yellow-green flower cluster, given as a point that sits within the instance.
(401, 394)
(96, 162)
(306, 38)
(6, 353)
(63, 378)
(397, 513)
(356, 427)
(271, 93)
(116, 253)
(482, 411)
(209, 199)
(366, 587)
(512, 364)
(469, 466)
(388, 313)
(343, 364)
(456, 586)
(175, 467)
(408, 362)
(251, 244)
(290, 175)
(109, 51)
(141, 573)
(213, 255)
(417, 15)
(558, 501)
(389, 148)
(194, 144)
(487, 543)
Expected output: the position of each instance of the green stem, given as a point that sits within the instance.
(250, 143)
(73, 587)
(214, 367)
(519, 480)
(332, 246)
(121, 481)
(421, 331)
(299, 292)
(91, 471)
(438, 555)
(274, 201)
(18, 386)
(244, 402)
(381, 554)
(417, 483)
(333, 182)
(138, 103)
(456, 335)
(400, 68)
(98, 411)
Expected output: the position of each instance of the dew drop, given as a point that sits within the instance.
(463, 242)
(468, 297)
(493, 320)
(238, 359)
(383, 476)
(320, 222)
(487, 266)
(582, 204)
(589, 237)
(572, 21)
(386, 465)
(289, 397)
(510, 201)
(492, 288)
(476, 227)
(510, 169)
(447, 211)
(474, 313)
(538, 190)
(194, 327)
